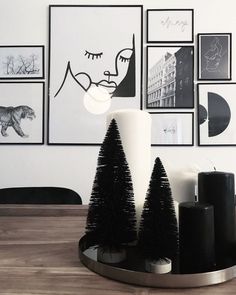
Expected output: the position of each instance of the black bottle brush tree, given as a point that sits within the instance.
(158, 232)
(111, 220)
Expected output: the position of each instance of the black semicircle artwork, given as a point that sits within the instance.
(219, 114)
(202, 114)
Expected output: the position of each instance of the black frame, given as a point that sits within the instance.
(147, 72)
(199, 57)
(198, 115)
(43, 113)
(49, 55)
(30, 77)
(176, 113)
(164, 41)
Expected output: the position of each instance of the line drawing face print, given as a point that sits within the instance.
(95, 68)
(214, 55)
(110, 77)
(100, 57)
(214, 59)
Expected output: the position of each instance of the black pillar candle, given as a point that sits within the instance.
(217, 189)
(196, 237)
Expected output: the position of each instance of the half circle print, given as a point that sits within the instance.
(219, 114)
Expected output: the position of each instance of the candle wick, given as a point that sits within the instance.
(212, 163)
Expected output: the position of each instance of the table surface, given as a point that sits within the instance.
(39, 255)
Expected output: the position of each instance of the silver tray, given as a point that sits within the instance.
(88, 258)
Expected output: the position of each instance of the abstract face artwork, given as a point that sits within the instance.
(214, 56)
(95, 60)
(102, 59)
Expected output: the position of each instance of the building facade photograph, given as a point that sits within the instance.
(170, 77)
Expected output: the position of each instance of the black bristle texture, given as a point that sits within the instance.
(111, 220)
(158, 232)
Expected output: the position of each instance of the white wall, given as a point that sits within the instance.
(26, 22)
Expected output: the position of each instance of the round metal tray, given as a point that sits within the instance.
(88, 258)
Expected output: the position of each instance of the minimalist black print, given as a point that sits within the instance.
(170, 77)
(214, 56)
(119, 82)
(96, 69)
(216, 114)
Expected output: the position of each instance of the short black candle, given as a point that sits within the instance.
(217, 189)
(196, 237)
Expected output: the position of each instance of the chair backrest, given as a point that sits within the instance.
(39, 195)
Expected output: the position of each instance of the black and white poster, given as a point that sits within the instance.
(170, 25)
(21, 112)
(172, 129)
(95, 68)
(216, 114)
(22, 62)
(214, 56)
(169, 77)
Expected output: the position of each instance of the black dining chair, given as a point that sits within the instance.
(39, 195)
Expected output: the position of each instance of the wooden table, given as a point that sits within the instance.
(39, 255)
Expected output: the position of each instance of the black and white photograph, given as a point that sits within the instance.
(172, 129)
(21, 62)
(170, 25)
(169, 80)
(214, 56)
(96, 69)
(21, 112)
(216, 114)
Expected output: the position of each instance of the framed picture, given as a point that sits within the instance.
(172, 129)
(169, 77)
(22, 62)
(170, 26)
(214, 56)
(216, 114)
(21, 112)
(94, 68)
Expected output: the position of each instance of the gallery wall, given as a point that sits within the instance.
(25, 22)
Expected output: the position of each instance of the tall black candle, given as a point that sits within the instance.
(217, 188)
(196, 237)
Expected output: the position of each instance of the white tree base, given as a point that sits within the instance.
(110, 256)
(158, 266)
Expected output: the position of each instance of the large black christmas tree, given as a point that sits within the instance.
(111, 221)
(158, 232)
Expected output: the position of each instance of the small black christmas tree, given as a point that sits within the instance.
(111, 221)
(158, 233)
